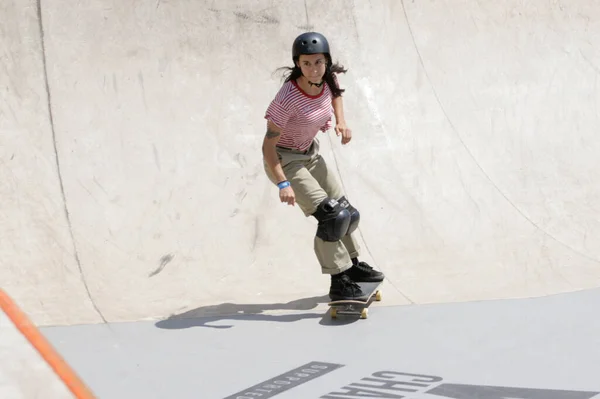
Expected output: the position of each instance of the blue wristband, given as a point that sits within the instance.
(283, 184)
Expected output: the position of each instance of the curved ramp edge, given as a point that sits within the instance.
(473, 161)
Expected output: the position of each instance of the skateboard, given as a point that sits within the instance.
(356, 307)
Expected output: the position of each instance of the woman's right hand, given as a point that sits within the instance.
(287, 195)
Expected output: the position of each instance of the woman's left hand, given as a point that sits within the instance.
(345, 131)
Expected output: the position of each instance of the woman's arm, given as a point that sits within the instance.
(270, 153)
(271, 139)
(338, 110)
(340, 120)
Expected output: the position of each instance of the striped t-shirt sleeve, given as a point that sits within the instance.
(326, 126)
(277, 112)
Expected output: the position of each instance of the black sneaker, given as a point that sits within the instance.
(362, 272)
(343, 288)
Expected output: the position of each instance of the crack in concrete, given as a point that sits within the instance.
(60, 180)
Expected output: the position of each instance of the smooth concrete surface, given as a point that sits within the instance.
(132, 178)
(523, 347)
(24, 374)
(132, 185)
(38, 266)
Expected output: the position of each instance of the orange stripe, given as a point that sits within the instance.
(39, 342)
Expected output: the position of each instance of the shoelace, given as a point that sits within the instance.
(364, 266)
(348, 282)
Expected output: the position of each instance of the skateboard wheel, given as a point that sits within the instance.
(364, 313)
(378, 296)
(333, 313)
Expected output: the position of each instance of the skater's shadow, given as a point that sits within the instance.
(207, 315)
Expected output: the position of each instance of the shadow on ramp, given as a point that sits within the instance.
(206, 315)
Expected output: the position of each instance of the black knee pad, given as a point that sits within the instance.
(334, 220)
(354, 214)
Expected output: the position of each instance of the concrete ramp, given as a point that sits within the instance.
(132, 188)
(131, 165)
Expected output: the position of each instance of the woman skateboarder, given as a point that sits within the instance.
(303, 106)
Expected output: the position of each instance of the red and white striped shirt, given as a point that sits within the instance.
(300, 115)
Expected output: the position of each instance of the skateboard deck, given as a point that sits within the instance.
(356, 307)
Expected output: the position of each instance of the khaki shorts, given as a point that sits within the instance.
(312, 182)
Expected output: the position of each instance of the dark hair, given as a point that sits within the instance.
(295, 72)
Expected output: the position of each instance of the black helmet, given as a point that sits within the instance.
(310, 43)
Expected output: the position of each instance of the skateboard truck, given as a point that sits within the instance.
(356, 307)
